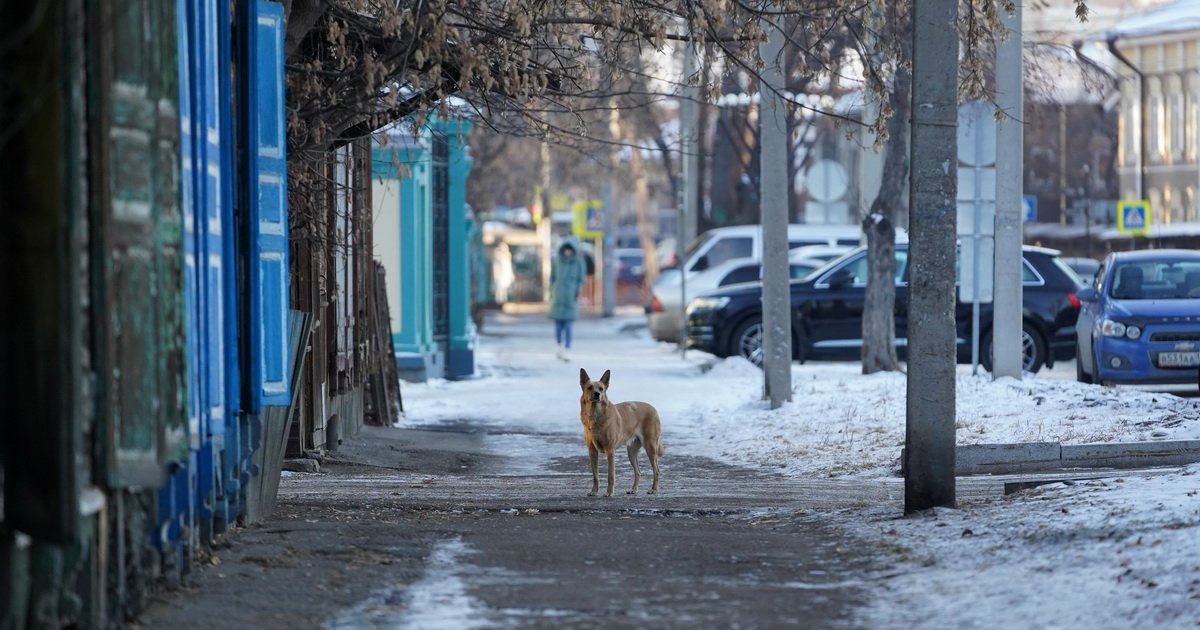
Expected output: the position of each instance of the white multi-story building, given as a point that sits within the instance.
(1158, 155)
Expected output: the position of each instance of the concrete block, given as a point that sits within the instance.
(981, 459)
(1131, 454)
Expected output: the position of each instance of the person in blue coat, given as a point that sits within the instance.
(567, 273)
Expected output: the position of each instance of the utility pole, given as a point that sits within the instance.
(933, 218)
(689, 158)
(1007, 357)
(610, 213)
(546, 222)
(777, 310)
(689, 134)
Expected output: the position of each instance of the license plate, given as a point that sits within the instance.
(1178, 359)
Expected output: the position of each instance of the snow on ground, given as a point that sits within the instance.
(1107, 553)
(1098, 554)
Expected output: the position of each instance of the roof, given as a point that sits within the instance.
(1141, 255)
(1179, 16)
(1157, 230)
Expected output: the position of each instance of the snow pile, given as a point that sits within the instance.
(841, 422)
(1105, 553)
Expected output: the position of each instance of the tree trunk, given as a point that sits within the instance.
(879, 324)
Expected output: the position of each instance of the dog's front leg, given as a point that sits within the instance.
(594, 458)
(612, 472)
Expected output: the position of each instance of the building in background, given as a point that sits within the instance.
(423, 230)
(1159, 69)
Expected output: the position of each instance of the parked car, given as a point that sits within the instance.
(631, 267)
(664, 314)
(745, 241)
(716, 247)
(1140, 321)
(1085, 268)
(827, 311)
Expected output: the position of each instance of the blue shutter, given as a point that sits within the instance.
(212, 218)
(268, 213)
(187, 204)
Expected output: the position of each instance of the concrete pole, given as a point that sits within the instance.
(544, 226)
(689, 133)
(933, 219)
(1006, 318)
(689, 165)
(609, 276)
(776, 324)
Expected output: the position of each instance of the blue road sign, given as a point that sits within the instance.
(1029, 204)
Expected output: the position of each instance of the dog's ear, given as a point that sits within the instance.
(583, 378)
(604, 379)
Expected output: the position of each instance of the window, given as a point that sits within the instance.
(726, 249)
(1156, 124)
(800, 271)
(1177, 125)
(1155, 127)
(1129, 136)
(1193, 123)
(1029, 276)
(746, 273)
(858, 268)
(1156, 280)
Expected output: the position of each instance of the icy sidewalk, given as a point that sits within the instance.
(1114, 553)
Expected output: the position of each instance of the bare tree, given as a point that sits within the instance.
(879, 224)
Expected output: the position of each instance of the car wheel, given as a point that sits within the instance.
(1080, 375)
(747, 341)
(1033, 349)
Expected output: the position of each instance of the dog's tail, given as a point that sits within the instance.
(659, 448)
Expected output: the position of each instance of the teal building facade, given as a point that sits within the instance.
(422, 231)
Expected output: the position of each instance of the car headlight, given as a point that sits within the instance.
(1110, 328)
(707, 303)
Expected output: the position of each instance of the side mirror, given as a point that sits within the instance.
(841, 278)
(1087, 294)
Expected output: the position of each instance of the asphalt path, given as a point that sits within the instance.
(468, 524)
(431, 528)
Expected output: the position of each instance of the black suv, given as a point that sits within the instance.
(827, 311)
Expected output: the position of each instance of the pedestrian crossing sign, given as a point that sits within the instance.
(1133, 216)
(587, 219)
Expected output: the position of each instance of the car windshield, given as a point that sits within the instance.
(1156, 280)
(695, 245)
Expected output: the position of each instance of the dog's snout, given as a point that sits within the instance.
(595, 396)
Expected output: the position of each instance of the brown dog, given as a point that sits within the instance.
(608, 426)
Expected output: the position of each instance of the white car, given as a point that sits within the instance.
(664, 314)
(824, 253)
(722, 244)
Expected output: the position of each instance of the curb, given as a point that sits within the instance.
(1025, 457)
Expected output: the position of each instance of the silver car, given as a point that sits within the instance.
(664, 313)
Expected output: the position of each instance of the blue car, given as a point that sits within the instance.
(1140, 320)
